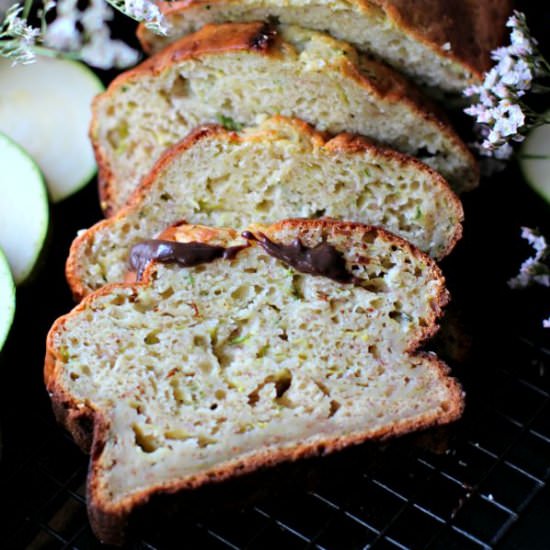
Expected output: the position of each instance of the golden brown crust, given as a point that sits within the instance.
(109, 520)
(472, 28)
(385, 84)
(344, 143)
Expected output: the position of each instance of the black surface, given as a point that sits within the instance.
(482, 482)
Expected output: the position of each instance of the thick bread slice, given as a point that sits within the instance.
(441, 43)
(202, 373)
(240, 72)
(281, 169)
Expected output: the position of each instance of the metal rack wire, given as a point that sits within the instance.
(459, 488)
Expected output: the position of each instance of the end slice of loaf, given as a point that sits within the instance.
(202, 373)
(239, 73)
(280, 169)
(436, 42)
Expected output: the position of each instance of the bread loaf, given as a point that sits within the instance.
(281, 169)
(238, 73)
(270, 353)
(439, 43)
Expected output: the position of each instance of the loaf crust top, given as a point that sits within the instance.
(472, 28)
(461, 31)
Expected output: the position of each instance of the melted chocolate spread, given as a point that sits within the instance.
(184, 254)
(322, 259)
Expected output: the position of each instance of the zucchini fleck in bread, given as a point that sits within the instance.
(281, 169)
(202, 373)
(441, 43)
(239, 73)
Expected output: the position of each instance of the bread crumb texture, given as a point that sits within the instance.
(201, 373)
(281, 169)
(216, 75)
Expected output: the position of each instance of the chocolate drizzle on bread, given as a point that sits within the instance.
(184, 254)
(323, 259)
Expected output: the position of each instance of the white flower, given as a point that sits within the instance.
(509, 119)
(533, 270)
(504, 152)
(100, 51)
(94, 19)
(546, 323)
(520, 77)
(49, 5)
(19, 37)
(521, 44)
(93, 43)
(499, 53)
(143, 10)
(499, 111)
(63, 35)
(482, 114)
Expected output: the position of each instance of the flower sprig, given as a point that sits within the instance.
(17, 38)
(75, 32)
(143, 10)
(502, 116)
(536, 269)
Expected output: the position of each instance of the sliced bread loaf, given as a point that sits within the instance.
(436, 42)
(297, 340)
(236, 73)
(281, 169)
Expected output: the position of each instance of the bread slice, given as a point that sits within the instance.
(439, 43)
(198, 374)
(236, 73)
(280, 169)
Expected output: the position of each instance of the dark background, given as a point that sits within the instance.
(481, 483)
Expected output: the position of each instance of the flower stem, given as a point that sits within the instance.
(48, 52)
(27, 8)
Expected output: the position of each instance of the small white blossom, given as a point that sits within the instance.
(94, 19)
(504, 152)
(533, 270)
(500, 115)
(100, 51)
(49, 5)
(79, 31)
(520, 78)
(63, 35)
(446, 47)
(17, 38)
(143, 10)
(546, 323)
(93, 43)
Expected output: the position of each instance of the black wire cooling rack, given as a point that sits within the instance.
(463, 487)
(480, 483)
